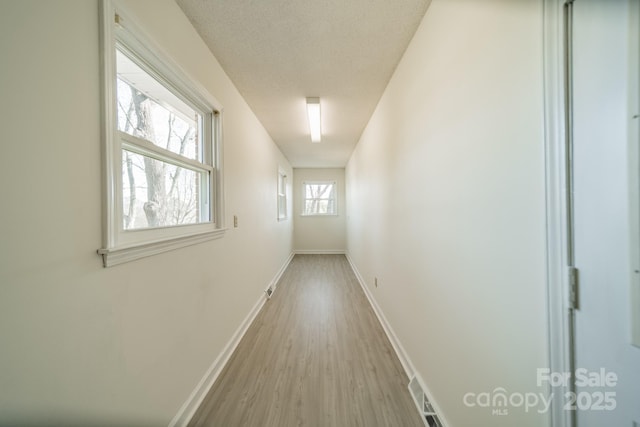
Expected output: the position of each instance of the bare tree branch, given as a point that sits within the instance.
(183, 143)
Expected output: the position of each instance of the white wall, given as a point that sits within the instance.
(124, 345)
(319, 233)
(445, 191)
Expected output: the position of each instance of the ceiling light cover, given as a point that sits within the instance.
(313, 111)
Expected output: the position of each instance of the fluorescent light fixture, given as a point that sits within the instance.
(313, 111)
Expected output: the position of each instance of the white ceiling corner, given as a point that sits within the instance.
(278, 52)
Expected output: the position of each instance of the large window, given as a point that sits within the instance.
(319, 198)
(161, 144)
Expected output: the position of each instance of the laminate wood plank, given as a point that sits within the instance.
(315, 356)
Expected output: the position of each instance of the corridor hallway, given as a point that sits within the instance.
(315, 355)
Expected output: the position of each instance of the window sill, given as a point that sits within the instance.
(115, 256)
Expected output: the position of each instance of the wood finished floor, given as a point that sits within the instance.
(315, 355)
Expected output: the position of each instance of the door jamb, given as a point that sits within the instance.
(558, 207)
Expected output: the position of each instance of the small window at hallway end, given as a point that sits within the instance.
(319, 198)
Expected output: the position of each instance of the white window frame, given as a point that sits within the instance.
(319, 182)
(118, 28)
(282, 202)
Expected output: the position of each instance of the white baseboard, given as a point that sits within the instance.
(274, 282)
(196, 397)
(395, 343)
(320, 251)
(407, 365)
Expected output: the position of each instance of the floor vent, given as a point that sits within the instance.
(425, 407)
(269, 291)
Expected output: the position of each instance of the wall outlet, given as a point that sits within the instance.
(235, 221)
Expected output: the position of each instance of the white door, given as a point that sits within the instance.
(605, 99)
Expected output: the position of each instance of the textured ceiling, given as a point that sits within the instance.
(278, 52)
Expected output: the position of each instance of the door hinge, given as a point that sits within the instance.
(574, 284)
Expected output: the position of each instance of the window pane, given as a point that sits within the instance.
(148, 110)
(319, 191)
(331, 207)
(160, 194)
(281, 184)
(282, 206)
(310, 207)
(319, 207)
(320, 198)
(322, 206)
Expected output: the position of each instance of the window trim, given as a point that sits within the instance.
(319, 182)
(282, 215)
(118, 28)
